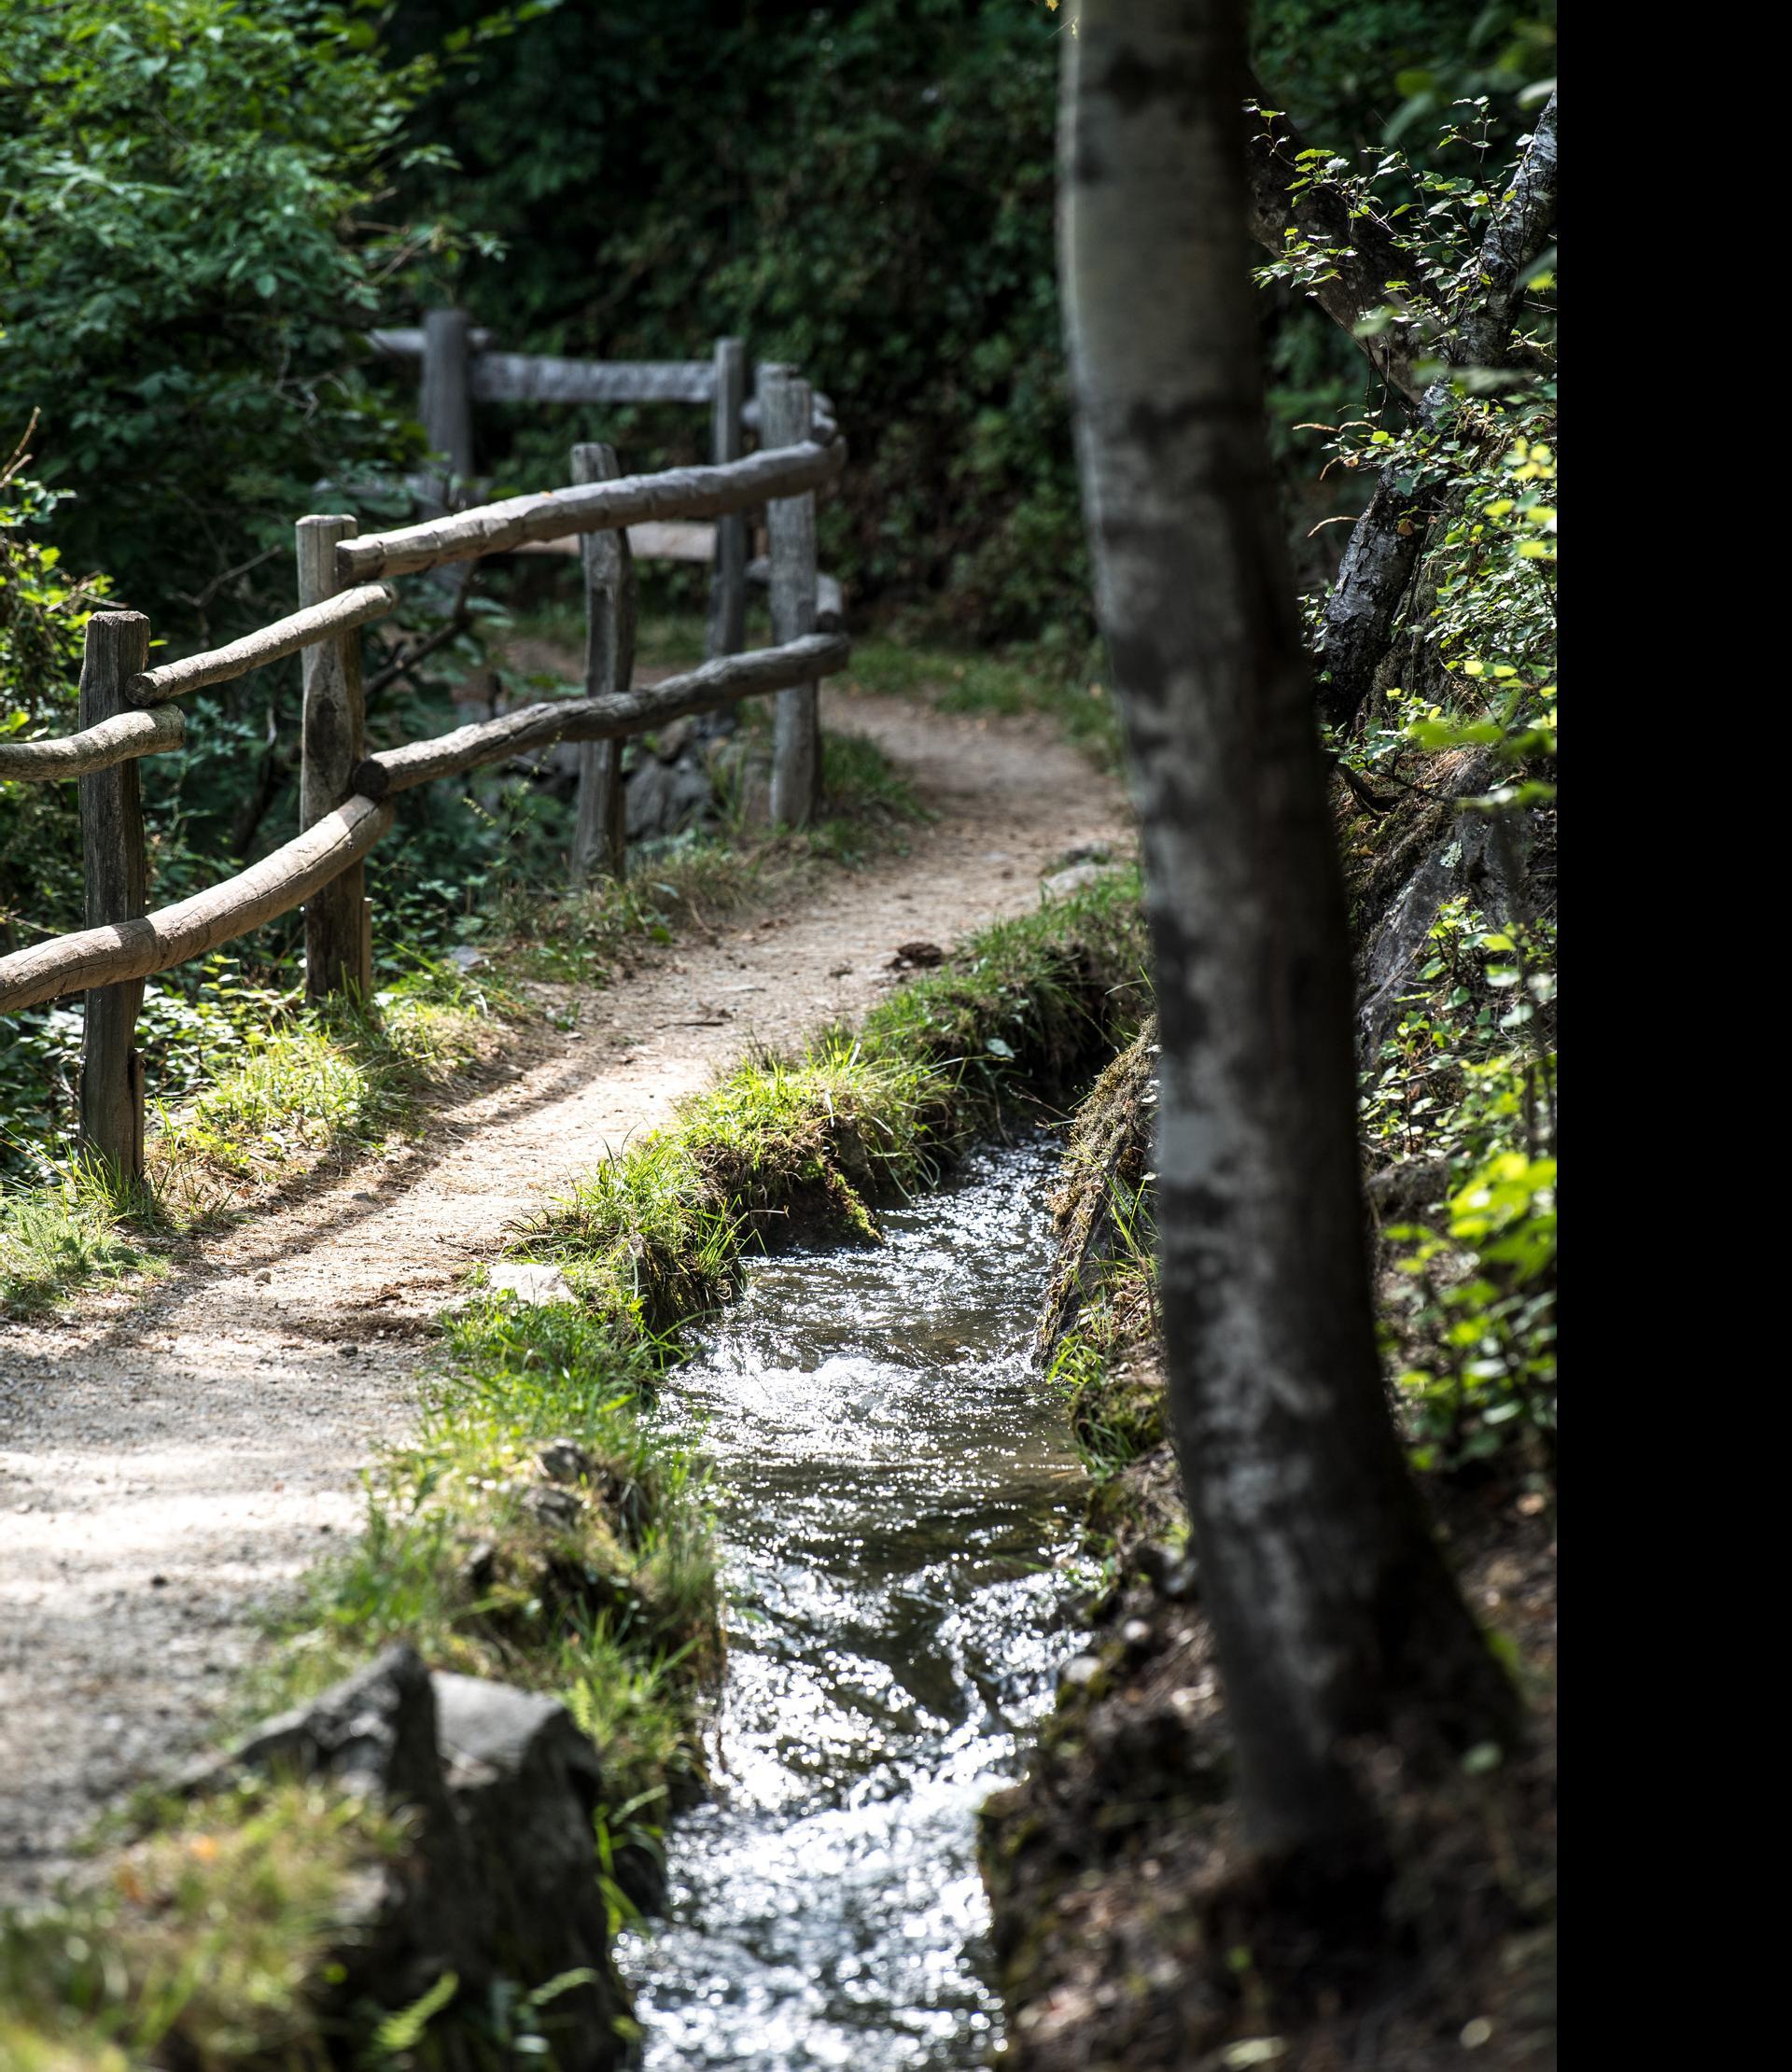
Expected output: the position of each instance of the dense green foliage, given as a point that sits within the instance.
(868, 192)
(189, 240)
(1460, 1108)
(208, 201)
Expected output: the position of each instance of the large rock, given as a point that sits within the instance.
(525, 1782)
(536, 1287)
(500, 1879)
(669, 788)
(1061, 885)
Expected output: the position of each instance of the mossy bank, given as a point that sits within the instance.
(536, 1529)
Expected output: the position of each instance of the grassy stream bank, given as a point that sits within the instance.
(533, 1529)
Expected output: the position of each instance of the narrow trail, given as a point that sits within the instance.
(173, 1457)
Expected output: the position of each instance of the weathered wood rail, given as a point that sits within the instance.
(346, 583)
(460, 366)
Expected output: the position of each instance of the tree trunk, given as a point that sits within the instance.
(1334, 1615)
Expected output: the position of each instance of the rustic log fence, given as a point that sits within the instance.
(460, 366)
(346, 583)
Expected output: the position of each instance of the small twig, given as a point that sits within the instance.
(229, 575)
(19, 456)
(1362, 790)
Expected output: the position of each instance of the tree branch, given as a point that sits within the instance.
(1385, 542)
(1518, 233)
(1372, 577)
(1368, 254)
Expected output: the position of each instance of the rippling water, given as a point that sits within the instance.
(896, 1490)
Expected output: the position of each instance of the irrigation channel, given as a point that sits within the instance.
(897, 1502)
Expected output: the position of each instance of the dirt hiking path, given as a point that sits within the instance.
(171, 1458)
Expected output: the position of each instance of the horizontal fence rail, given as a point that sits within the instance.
(346, 795)
(303, 629)
(286, 877)
(496, 377)
(526, 378)
(120, 739)
(735, 485)
(611, 718)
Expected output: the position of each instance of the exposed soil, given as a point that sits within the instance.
(1135, 1933)
(1134, 1927)
(173, 1456)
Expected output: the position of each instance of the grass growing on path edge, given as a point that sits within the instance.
(314, 1084)
(285, 1087)
(535, 1528)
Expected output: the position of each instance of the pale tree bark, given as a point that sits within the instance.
(1335, 1615)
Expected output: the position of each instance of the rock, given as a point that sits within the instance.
(525, 1783)
(1175, 1576)
(498, 1877)
(671, 742)
(565, 1460)
(533, 1286)
(1402, 1192)
(1061, 884)
(1478, 856)
(479, 1571)
(664, 798)
(557, 1509)
(376, 1729)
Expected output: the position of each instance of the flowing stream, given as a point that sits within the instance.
(897, 1503)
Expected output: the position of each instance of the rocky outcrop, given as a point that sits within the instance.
(497, 1881)
(1432, 848)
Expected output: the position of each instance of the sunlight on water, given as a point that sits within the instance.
(898, 1495)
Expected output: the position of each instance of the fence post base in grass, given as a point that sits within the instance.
(600, 831)
(785, 414)
(116, 869)
(727, 628)
(339, 949)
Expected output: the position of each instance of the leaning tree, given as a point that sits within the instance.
(1338, 1623)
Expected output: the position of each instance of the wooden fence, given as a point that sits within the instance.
(346, 583)
(460, 367)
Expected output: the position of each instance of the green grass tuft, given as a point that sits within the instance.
(78, 1229)
(203, 1946)
(332, 1079)
(590, 1572)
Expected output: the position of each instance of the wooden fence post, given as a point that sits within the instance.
(448, 398)
(117, 886)
(600, 832)
(727, 632)
(339, 948)
(785, 409)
